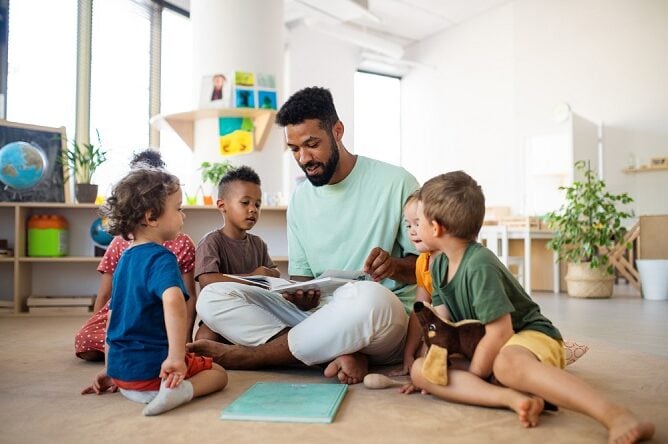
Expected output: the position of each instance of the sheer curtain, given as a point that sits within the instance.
(41, 78)
(119, 84)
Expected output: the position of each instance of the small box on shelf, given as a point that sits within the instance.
(60, 304)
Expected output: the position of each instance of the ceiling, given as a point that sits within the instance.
(383, 27)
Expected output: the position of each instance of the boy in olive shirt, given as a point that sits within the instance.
(521, 352)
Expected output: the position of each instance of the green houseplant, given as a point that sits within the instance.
(81, 161)
(586, 227)
(212, 172)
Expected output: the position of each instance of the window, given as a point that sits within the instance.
(119, 84)
(377, 117)
(42, 60)
(176, 92)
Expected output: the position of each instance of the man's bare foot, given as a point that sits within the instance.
(222, 354)
(204, 332)
(528, 409)
(350, 369)
(625, 428)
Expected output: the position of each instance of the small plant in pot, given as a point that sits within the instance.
(81, 160)
(587, 226)
(212, 172)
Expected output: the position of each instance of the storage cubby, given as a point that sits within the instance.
(75, 274)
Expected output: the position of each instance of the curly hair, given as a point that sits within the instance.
(142, 190)
(147, 158)
(455, 201)
(242, 173)
(309, 103)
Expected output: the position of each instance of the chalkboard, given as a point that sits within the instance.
(51, 142)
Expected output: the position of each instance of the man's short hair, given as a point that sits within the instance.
(309, 103)
(455, 201)
(242, 173)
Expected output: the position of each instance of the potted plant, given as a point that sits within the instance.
(82, 159)
(587, 226)
(212, 172)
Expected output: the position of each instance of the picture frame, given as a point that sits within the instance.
(216, 91)
(40, 151)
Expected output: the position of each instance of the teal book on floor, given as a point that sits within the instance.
(286, 402)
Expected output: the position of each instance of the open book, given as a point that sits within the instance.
(327, 282)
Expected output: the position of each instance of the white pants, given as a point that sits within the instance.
(359, 317)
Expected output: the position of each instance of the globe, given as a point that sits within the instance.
(22, 165)
(98, 232)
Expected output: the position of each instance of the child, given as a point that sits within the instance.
(521, 348)
(89, 340)
(146, 338)
(424, 288)
(231, 249)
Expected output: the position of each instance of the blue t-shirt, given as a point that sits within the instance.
(136, 334)
(336, 226)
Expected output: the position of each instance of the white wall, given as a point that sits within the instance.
(499, 76)
(315, 59)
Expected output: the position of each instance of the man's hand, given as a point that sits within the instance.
(266, 271)
(304, 300)
(379, 264)
(101, 384)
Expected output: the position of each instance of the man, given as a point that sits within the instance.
(347, 216)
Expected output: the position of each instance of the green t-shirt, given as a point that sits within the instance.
(336, 226)
(484, 289)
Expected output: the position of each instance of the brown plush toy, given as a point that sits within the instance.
(445, 338)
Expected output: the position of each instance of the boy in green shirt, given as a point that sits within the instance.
(521, 352)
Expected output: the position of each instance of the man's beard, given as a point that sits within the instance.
(328, 168)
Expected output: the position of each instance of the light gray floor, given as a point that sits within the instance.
(625, 319)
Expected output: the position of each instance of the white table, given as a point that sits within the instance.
(527, 236)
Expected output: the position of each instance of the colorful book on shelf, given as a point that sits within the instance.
(327, 282)
(287, 402)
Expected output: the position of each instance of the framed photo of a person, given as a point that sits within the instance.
(216, 91)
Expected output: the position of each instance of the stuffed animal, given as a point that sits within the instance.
(444, 339)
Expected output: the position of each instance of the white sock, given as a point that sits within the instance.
(168, 399)
(143, 397)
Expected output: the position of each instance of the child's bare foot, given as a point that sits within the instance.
(528, 409)
(625, 428)
(350, 369)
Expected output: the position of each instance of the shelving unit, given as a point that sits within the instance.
(183, 123)
(646, 169)
(22, 276)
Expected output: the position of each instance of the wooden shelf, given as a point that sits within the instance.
(647, 169)
(46, 205)
(61, 259)
(213, 207)
(183, 123)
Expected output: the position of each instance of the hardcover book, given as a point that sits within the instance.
(287, 402)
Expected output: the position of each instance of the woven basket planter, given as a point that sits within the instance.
(585, 282)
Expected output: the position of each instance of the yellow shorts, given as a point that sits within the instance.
(548, 350)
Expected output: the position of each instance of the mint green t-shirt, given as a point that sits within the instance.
(483, 289)
(336, 226)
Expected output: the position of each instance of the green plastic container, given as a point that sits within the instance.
(48, 236)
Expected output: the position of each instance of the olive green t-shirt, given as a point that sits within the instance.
(483, 289)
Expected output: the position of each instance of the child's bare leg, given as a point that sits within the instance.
(203, 383)
(209, 381)
(466, 388)
(518, 368)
